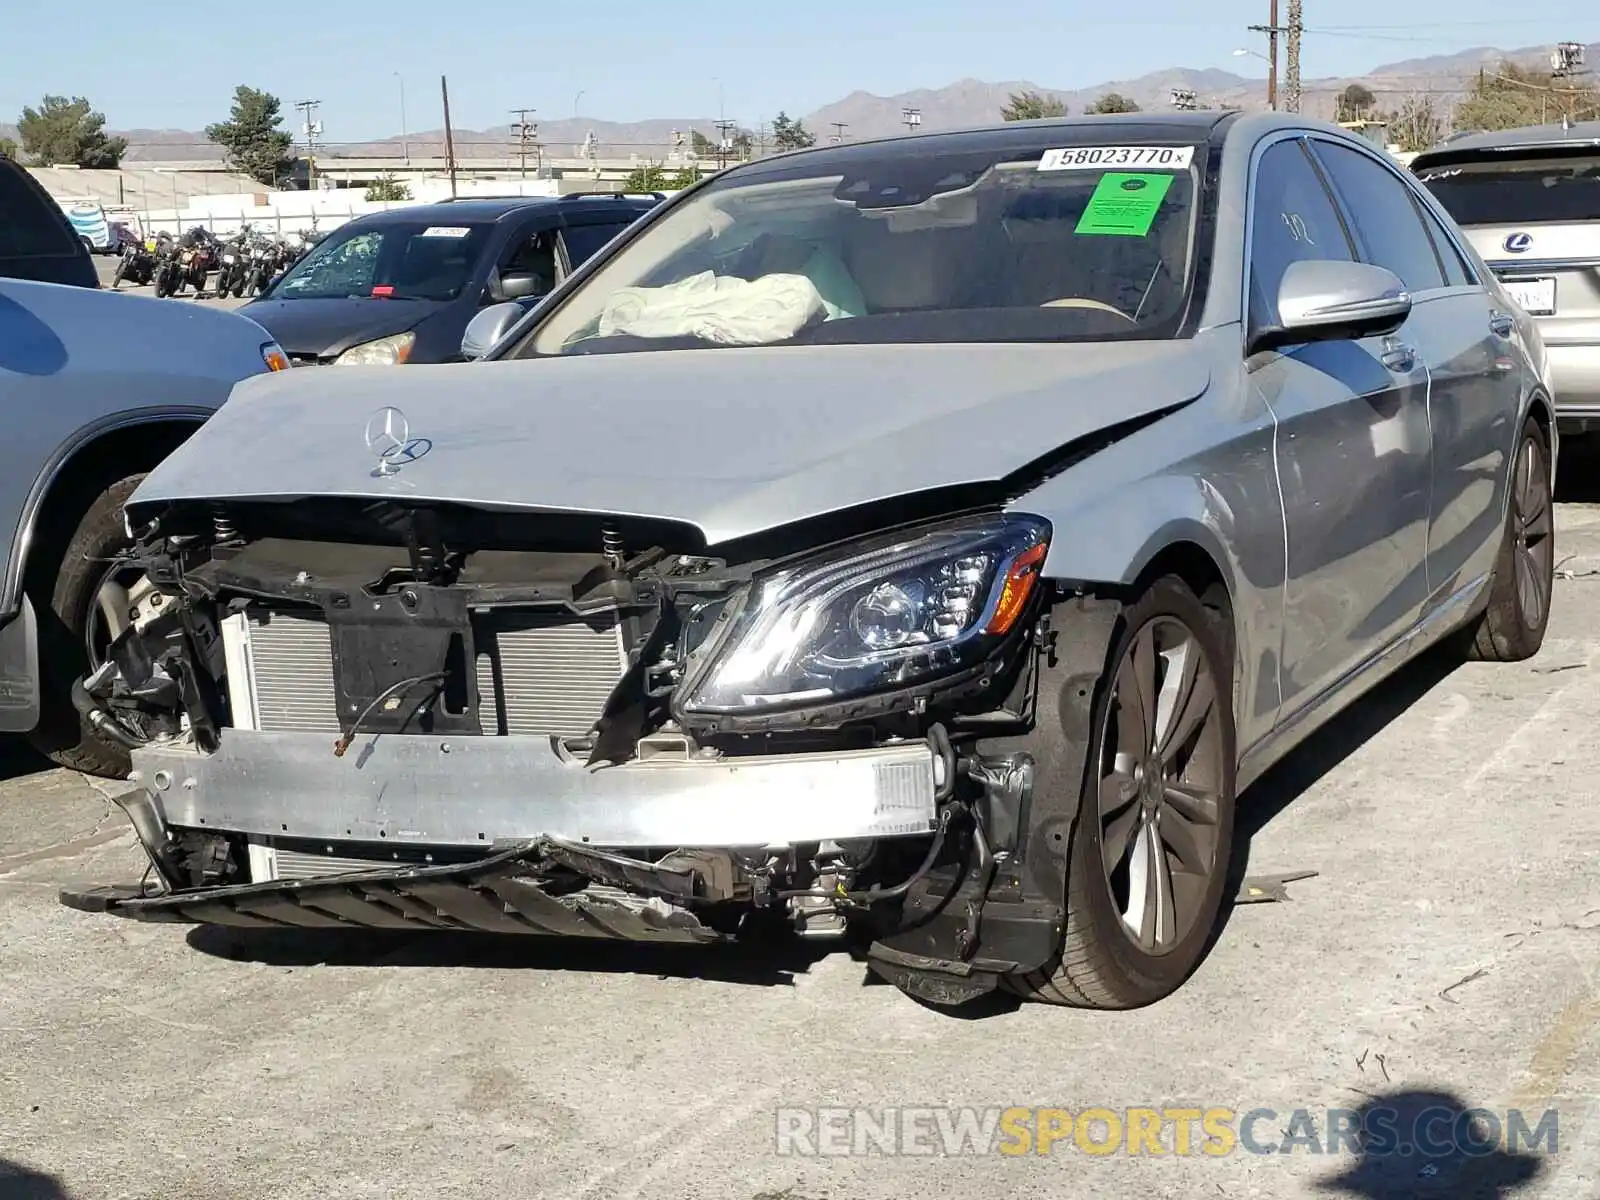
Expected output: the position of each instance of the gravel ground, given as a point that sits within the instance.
(1448, 952)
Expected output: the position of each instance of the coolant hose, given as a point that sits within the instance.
(101, 721)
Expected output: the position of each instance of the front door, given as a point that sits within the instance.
(1353, 450)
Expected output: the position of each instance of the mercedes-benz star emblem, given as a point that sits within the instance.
(1518, 243)
(388, 435)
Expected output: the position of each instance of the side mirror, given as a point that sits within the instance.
(1321, 301)
(522, 285)
(487, 327)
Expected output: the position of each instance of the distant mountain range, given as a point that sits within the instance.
(964, 104)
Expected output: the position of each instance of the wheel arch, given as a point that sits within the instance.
(100, 452)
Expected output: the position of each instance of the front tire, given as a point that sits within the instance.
(64, 588)
(1150, 851)
(1512, 628)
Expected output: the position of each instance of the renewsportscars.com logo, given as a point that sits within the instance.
(1370, 1132)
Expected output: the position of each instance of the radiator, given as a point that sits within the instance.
(537, 674)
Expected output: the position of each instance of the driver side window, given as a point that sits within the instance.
(1294, 220)
(531, 259)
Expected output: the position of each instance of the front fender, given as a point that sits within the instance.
(1202, 480)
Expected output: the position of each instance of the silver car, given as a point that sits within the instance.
(97, 388)
(929, 537)
(1529, 201)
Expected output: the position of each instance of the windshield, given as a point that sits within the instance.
(1522, 193)
(891, 243)
(410, 261)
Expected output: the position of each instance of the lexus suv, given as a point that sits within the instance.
(1529, 201)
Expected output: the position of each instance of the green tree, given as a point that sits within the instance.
(703, 146)
(8, 148)
(1031, 106)
(68, 132)
(1414, 126)
(256, 146)
(1354, 103)
(1510, 96)
(654, 177)
(790, 134)
(387, 187)
(1113, 102)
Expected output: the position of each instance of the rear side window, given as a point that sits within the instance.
(28, 226)
(1456, 270)
(1518, 193)
(584, 240)
(1383, 216)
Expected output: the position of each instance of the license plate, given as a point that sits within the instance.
(1537, 296)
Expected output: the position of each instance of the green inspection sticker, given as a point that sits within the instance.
(1124, 204)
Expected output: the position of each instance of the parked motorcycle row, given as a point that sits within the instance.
(245, 264)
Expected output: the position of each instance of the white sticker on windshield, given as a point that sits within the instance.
(1104, 158)
(446, 231)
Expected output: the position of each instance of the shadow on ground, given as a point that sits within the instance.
(19, 759)
(1578, 472)
(18, 1182)
(1417, 1145)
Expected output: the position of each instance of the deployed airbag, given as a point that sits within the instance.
(715, 308)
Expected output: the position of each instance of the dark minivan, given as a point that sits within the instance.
(37, 241)
(400, 286)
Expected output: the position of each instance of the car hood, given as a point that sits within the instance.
(732, 441)
(327, 328)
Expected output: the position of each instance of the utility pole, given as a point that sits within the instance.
(1184, 100)
(911, 118)
(838, 130)
(725, 128)
(1292, 66)
(312, 128)
(1272, 29)
(524, 133)
(449, 137)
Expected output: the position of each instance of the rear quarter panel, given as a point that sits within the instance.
(74, 362)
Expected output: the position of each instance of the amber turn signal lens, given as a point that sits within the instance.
(275, 358)
(1017, 588)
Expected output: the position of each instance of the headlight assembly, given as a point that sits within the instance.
(384, 352)
(875, 618)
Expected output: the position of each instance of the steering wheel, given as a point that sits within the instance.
(1085, 302)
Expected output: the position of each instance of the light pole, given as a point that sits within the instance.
(575, 100)
(405, 137)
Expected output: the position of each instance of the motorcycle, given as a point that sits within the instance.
(137, 265)
(234, 263)
(266, 259)
(197, 258)
(169, 272)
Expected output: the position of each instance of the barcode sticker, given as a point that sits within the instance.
(1109, 158)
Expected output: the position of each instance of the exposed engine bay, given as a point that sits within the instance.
(345, 712)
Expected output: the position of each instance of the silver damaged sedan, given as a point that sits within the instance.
(924, 540)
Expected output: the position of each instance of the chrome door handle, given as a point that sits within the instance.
(1400, 358)
(1502, 324)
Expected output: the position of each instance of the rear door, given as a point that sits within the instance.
(36, 239)
(1534, 217)
(1352, 448)
(1474, 387)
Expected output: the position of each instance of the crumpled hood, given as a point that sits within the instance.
(733, 441)
(326, 328)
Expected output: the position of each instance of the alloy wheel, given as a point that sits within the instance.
(1161, 783)
(1532, 545)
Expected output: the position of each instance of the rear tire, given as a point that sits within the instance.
(1512, 628)
(63, 587)
(1188, 755)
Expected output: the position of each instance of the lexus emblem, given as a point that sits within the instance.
(388, 435)
(1518, 243)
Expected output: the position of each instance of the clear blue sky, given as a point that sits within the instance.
(174, 63)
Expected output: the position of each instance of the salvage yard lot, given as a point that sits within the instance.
(1449, 947)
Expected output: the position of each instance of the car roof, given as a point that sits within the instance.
(496, 208)
(1576, 135)
(1139, 127)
